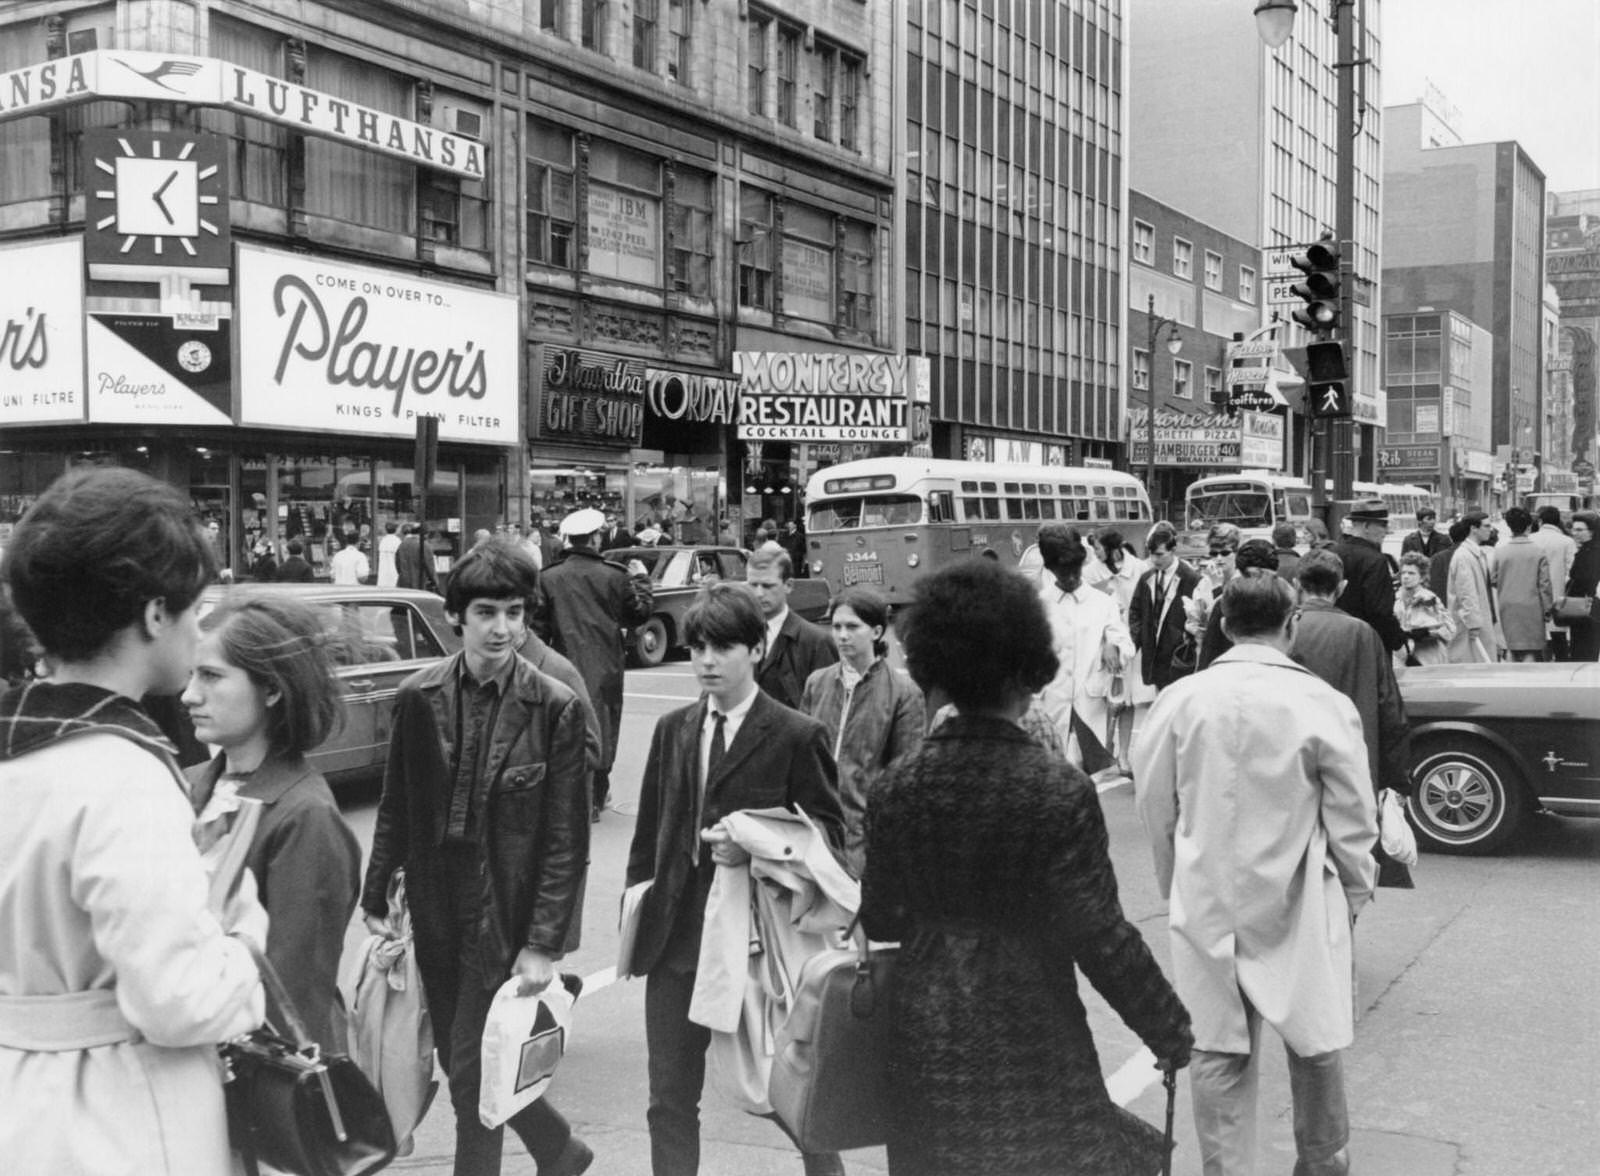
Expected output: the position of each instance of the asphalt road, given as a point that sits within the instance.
(1476, 1050)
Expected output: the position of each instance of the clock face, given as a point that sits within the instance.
(156, 197)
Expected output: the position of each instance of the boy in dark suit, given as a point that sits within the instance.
(1155, 614)
(733, 749)
(794, 646)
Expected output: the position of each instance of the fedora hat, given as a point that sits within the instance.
(1368, 510)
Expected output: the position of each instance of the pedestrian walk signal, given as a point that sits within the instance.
(1320, 288)
(1327, 379)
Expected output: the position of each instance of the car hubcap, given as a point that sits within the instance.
(1458, 799)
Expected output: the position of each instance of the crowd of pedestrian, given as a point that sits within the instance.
(951, 805)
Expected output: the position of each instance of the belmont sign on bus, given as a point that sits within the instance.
(807, 396)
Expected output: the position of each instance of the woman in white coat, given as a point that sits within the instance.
(1117, 573)
(1091, 643)
(116, 980)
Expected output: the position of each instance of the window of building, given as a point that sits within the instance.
(551, 203)
(849, 101)
(623, 209)
(646, 14)
(552, 15)
(592, 24)
(858, 278)
(1141, 369)
(788, 71)
(1144, 242)
(453, 210)
(755, 249)
(257, 149)
(824, 64)
(1213, 385)
(692, 218)
(679, 30)
(1183, 379)
(1213, 270)
(1182, 258)
(756, 68)
(353, 184)
(25, 142)
(1247, 284)
(808, 259)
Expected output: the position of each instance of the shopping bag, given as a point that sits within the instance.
(1394, 831)
(524, 1039)
(391, 1034)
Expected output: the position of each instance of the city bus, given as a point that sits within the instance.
(886, 521)
(1257, 500)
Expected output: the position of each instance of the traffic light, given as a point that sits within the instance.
(1320, 290)
(1327, 379)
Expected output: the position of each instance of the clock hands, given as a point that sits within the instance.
(162, 204)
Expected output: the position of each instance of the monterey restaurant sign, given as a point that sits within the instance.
(806, 396)
(126, 75)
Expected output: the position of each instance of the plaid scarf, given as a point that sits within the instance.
(38, 714)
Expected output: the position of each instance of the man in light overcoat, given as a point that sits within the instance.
(1252, 782)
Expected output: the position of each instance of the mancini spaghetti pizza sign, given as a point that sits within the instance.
(804, 396)
(206, 81)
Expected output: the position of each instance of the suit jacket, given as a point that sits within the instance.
(533, 798)
(1157, 627)
(801, 649)
(1439, 572)
(1428, 545)
(1369, 588)
(413, 565)
(778, 757)
(295, 570)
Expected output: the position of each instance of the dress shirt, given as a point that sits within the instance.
(773, 626)
(476, 711)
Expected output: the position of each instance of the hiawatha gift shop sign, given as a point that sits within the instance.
(358, 349)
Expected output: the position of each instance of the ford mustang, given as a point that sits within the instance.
(1493, 743)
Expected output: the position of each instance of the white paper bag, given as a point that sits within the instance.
(523, 1040)
(1394, 833)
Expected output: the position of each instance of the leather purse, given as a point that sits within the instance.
(1576, 608)
(299, 1110)
(830, 1080)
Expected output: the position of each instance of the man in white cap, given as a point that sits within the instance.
(588, 600)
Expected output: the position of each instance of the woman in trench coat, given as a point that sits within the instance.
(117, 980)
(987, 859)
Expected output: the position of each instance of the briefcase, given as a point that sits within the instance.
(830, 1084)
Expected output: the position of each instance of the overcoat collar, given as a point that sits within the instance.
(276, 775)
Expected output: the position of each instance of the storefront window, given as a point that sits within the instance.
(683, 504)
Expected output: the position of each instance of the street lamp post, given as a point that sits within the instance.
(1154, 325)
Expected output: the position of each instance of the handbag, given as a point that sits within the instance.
(1187, 656)
(1394, 831)
(297, 1109)
(1576, 608)
(830, 1065)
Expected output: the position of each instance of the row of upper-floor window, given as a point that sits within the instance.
(948, 342)
(1181, 385)
(975, 244)
(1079, 107)
(800, 79)
(658, 34)
(1143, 249)
(1083, 31)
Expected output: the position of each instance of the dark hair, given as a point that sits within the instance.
(723, 615)
(1283, 535)
(1426, 512)
(1256, 553)
(494, 570)
(1112, 547)
(763, 559)
(1321, 571)
(1060, 546)
(391, 527)
(98, 546)
(1162, 534)
(1223, 535)
(978, 632)
(1549, 516)
(1254, 606)
(1458, 531)
(1475, 518)
(1415, 559)
(296, 547)
(870, 606)
(1590, 519)
(279, 642)
(1518, 519)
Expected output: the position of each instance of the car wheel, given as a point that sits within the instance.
(1465, 799)
(650, 642)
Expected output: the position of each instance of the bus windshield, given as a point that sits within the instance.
(872, 510)
(1243, 508)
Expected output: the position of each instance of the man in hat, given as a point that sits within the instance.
(1369, 584)
(588, 601)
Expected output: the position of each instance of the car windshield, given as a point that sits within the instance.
(1243, 508)
(876, 510)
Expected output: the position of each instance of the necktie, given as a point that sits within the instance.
(719, 743)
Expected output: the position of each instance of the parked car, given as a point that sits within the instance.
(1495, 742)
(379, 637)
(676, 574)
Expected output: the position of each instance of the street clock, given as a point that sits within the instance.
(156, 200)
